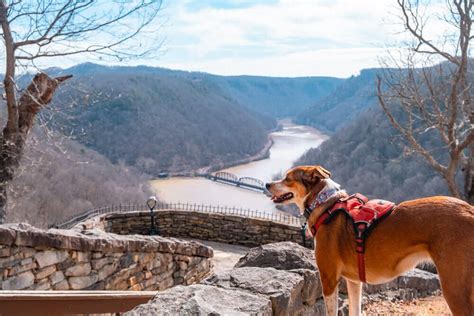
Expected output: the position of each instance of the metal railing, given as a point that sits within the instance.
(200, 208)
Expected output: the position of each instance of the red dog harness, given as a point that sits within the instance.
(364, 214)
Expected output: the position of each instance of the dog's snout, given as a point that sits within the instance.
(268, 185)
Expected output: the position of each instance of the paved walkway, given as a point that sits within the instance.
(225, 255)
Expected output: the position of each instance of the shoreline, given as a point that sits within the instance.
(264, 153)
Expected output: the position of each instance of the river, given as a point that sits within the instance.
(288, 145)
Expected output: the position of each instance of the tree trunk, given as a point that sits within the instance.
(38, 94)
(3, 201)
(469, 176)
(9, 162)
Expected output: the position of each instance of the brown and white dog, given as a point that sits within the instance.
(439, 229)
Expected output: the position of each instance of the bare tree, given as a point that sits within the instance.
(40, 29)
(430, 94)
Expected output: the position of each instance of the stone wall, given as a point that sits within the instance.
(231, 229)
(35, 259)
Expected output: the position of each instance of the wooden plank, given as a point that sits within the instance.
(70, 302)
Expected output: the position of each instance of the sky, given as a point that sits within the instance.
(285, 38)
(277, 37)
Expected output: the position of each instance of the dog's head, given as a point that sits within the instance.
(297, 184)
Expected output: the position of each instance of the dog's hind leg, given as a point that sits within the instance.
(354, 290)
(457, 285)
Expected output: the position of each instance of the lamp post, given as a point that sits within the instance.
(151, 203)
(303, 229)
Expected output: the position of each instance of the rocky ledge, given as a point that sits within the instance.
(274, 279)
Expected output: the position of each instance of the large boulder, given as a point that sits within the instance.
(204, 300)
(294, 292)
(281, 255)
(413, 284)
(285, 279)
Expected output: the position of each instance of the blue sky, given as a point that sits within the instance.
(288, 38)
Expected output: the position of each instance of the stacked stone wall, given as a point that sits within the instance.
(226, 228)
(34, 259)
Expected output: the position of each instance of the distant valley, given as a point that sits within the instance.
(120, 126)
(160, 120)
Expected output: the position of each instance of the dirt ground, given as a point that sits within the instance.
(433, 305)
(226, 256)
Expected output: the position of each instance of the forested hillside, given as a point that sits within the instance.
(157, 122)
(59, 178)
(365, 157)
(278, 97)
(162, 120)
(343, 105)
(274, 96)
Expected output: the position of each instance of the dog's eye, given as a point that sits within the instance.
(287, 179)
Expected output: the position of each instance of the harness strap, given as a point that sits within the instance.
(319, 222)
(360, 249)
(361, 225)
(361, 264)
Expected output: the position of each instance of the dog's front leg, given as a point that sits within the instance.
(354, 290)
(331, 302)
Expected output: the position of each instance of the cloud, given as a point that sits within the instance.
(224, 4)
(275, 37)
(325, 62)
(289, 37)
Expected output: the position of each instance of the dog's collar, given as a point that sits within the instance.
(323, 196)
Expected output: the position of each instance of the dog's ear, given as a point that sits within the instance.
(315, 173)
(322, 172)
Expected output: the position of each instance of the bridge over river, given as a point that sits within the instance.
(244, 182)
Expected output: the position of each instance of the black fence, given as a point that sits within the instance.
(201, 208)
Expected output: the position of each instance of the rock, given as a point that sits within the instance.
(7, 235)
(43, 273)
(427, 266)
(423, 282)
(420, 282)
(204, 300)
(81, 282)
(289, 292)
(56, 277)
(5, 252)
(81, 256)
(99, 263)
(312, 289)
(61, 286)
(79, 269)
(50, 257)
(97, 254)
(107, 270)
(22, 268)
(285, 289)
(282, 256)
(42, 285)
(19, 282)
